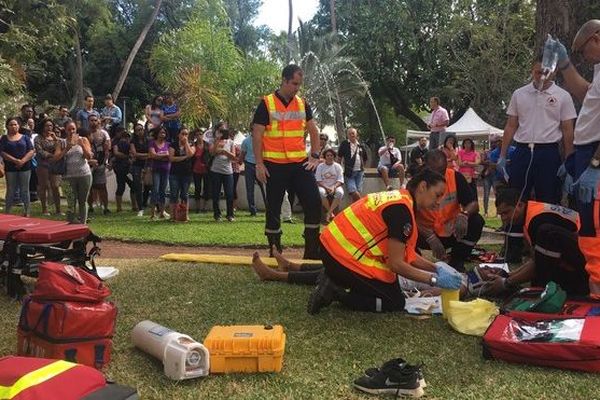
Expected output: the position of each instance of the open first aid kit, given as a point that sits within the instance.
(570, 342)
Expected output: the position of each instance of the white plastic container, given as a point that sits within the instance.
(182, 356)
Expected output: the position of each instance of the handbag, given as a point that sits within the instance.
(58, 167)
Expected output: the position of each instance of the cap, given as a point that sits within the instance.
(108, 97)
(585, 32)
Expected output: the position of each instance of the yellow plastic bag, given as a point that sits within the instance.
(472, 317)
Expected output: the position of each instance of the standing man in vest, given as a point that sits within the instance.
(456, 223)
(371, 243)
(587, 149)
(551, 231)
(437, 125)
(280, 122)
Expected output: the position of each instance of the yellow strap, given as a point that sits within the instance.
(351, 249)
(284, 154)
(272, 133)
(362, 231)
(35, 378)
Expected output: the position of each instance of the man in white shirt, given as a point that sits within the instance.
(390, 163)
(587, 152)
(539, 118)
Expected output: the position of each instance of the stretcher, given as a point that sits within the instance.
(227, 259)
(26, 242)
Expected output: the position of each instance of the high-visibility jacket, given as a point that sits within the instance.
(358, 236)
(26, 378)
(535, 208)
(283, 139)
(441, 219)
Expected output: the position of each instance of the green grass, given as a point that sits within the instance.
(323, 353)
(202, 230)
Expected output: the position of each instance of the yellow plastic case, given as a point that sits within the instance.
(245, 348)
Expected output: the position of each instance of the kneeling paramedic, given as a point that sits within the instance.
(371, 242)
(455, 223)
(551, 232)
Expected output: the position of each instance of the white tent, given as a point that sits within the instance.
(469, 125)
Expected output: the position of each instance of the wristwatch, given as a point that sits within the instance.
(595, 162)
(433, 280)
(314, 155)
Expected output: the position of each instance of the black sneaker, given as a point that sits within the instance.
(322, 295)
(391, 379)
(403, 364)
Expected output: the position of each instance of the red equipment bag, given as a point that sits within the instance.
(554, 341)
(69, 320)
(91, 352)
(36, 378)
(63, 282)
(181, 212)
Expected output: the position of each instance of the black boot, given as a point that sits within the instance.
(311, 244)
(274, 240)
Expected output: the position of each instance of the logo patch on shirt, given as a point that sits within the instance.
(407, 229)
(551, 101)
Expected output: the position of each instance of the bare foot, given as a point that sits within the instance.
(264, 272)
(283, 264)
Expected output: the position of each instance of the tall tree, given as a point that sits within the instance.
(290, 34)
(135, 49)
(332, 12)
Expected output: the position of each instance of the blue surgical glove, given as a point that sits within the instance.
(563, 57)
(448, 278)
(562, 172)
(586, 186)
(501, 167)
(566, 179)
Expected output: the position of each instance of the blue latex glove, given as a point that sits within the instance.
(501, 167)
(448, 277)
(562, 172)
(566, 179)
(563, 57)
(586, 186)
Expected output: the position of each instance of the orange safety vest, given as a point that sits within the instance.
(283, 140)
(358, 236)
(535, 208)
(441, 220)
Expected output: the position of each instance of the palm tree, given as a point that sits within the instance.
(290, 33)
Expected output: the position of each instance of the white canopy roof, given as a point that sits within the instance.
(470, 124)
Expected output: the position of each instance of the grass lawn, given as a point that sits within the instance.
(323, 353)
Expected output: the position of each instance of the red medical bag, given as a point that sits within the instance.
(36, 378)
(569, 342)
(64, 282)
(575, 307)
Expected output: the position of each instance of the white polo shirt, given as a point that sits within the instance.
(540, 113)
(587, 127)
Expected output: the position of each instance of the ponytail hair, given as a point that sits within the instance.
(426, 175)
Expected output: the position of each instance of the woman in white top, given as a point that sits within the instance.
(154, 113)
(330, 180)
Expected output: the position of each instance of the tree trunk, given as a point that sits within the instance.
(78, 94)
(135, 49)
(402, 107)
(290, 38)
(333, 17)
(562, 18)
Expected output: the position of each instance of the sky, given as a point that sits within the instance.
(274, 13)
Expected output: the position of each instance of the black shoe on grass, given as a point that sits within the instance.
(322, 295)
(402, 364)
(391, 379)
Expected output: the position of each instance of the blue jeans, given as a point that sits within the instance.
(354, 182)
(179, 186)
(542, 174)
(250, 177)
(159, 186)
(226, 181)
(17, 180)
(488, 184)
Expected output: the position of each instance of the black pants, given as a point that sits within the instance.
(363, 294)
(122, 180)
(558, 258)
(307, 275)
(202, 186)
(292, 177)
(460, 249)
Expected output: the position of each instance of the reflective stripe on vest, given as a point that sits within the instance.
(34, 378)
(283, 139)
(442, 219)
(535, 208)
(358, 237)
